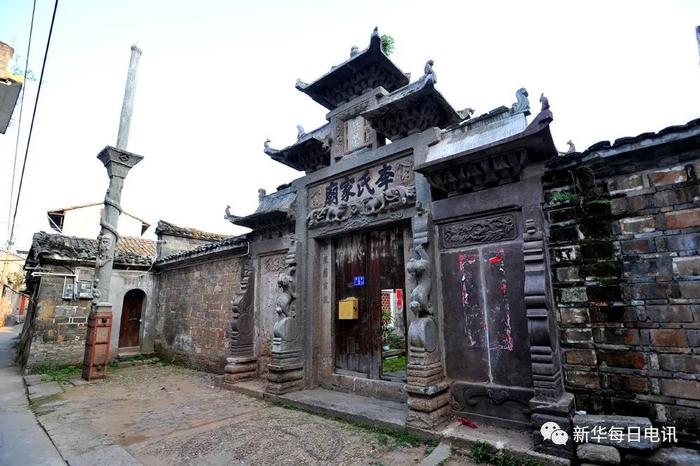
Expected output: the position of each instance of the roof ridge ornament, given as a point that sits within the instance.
(354, 50)
(300, 133)
(572, 147)
(522, 104)
(301, 85)
(428, 73)
(267, 149)
(545, 103)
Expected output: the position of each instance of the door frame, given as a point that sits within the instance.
(144, 297)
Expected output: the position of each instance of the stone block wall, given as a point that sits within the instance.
(193, 302)
(624, 242)
(55, 327)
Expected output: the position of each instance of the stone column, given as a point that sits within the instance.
(550, 402)
(286, 370)
(242, 364)
(427, 389)
(118, 162)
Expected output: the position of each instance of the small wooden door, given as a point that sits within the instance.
(365, 264)
(131, 319)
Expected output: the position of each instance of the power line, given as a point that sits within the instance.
(31, 126)
(19, 123)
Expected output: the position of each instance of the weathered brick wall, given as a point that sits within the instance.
(194, 312)
(57, 327)
(624, 244)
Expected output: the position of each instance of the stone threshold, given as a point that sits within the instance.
(392, 415)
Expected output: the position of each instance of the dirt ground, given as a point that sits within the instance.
(167, 416)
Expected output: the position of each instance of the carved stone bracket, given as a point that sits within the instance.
(550, 402)
(242, 364)
(286, 369)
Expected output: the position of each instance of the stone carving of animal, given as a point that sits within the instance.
(421, 272)
(522, 104)
(285, 301)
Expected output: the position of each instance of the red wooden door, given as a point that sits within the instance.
(131, 318)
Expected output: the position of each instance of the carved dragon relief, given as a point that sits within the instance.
(479, 231)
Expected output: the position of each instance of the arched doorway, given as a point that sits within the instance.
(130, 326)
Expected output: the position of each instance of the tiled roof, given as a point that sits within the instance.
(137, 246)
(640, 138)
(167, 228)
(228, 243)
(129, 251)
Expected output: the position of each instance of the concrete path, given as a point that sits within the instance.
(22, 440)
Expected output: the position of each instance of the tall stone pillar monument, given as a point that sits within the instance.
(118, 161)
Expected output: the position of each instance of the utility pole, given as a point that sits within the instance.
(118, 161)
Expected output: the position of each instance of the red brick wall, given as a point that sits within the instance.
(624, 244)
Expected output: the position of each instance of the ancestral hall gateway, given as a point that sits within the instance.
(454, 263)
(411, 256)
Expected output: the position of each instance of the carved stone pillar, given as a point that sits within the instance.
(550, 402)
(427, 390)
(118, 162)
(286, 370)
(242, 364)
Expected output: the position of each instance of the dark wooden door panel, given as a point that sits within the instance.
(130, 323)
(376, 256)
(352, 343)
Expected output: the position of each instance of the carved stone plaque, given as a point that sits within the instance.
(483, 230)
(385, 187)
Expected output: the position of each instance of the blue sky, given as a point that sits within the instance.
(217, 78)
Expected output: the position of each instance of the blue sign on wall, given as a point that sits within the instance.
(359, 280)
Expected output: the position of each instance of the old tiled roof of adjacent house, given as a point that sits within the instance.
(232, 242)
(644, 140)
(167, 228)
(129, 251)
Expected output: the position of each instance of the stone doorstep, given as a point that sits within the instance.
(391, 415)
(43, 390)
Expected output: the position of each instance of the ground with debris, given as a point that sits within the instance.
(168, 415)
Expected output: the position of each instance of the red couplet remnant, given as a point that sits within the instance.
(466, 422)
(495, 259)
(504, 288)
(471, 259)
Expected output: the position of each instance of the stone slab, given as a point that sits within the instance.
(441, 453)
(43, 390)
(112, 455)
(22, 440)
(34, 379)
(666, 457)
(595, 453)
(348, 406)
(77, 382)
(514, 442)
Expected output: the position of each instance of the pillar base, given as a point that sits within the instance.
(560, 411)
(285, 372)
(238, 369)
(97, 342)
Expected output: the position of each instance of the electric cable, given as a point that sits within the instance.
(19, 125)
(31, 126)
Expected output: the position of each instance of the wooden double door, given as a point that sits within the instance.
(365, 264)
